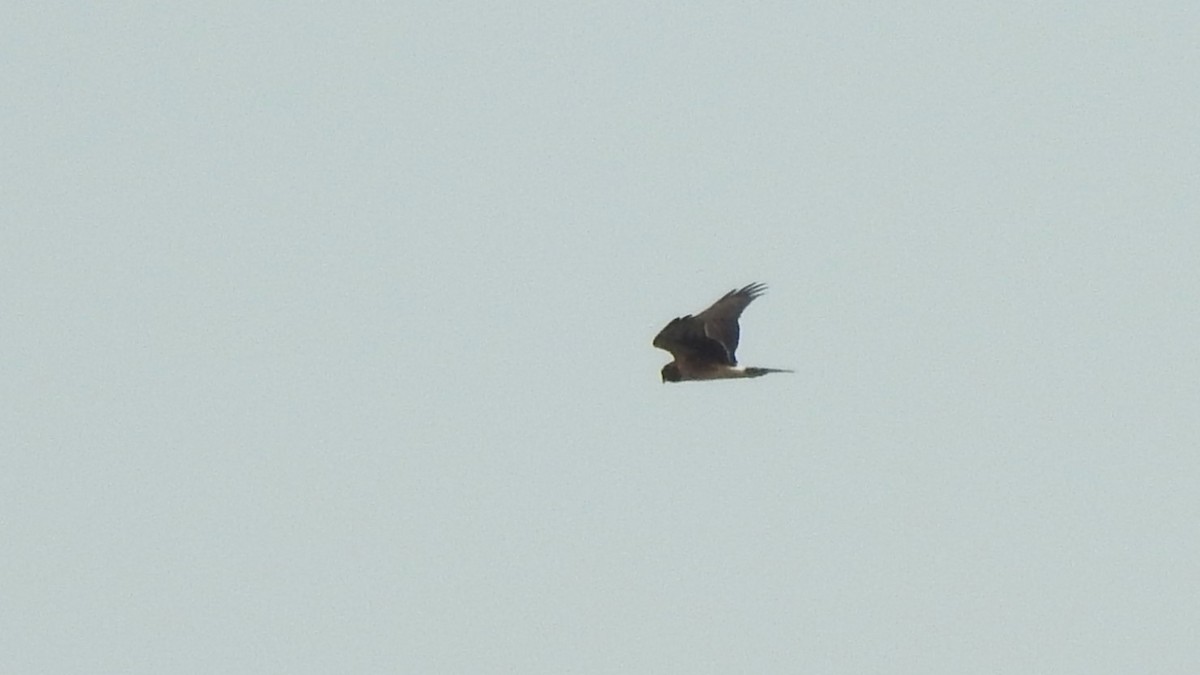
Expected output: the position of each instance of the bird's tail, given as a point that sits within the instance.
(759, 372)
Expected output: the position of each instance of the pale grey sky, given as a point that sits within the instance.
(326, 334)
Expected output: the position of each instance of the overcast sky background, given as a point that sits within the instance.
(326, 338)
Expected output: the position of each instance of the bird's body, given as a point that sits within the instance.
(704, 345)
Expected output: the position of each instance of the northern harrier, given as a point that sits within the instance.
(703, 345)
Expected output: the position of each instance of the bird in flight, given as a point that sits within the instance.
(703, 345)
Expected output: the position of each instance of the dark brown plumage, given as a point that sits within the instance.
(705, 345)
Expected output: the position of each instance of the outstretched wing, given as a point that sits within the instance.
(687, 341)
(720, 321)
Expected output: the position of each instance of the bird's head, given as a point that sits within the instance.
(670, 373)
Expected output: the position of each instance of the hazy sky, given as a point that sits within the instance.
(326, 338)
